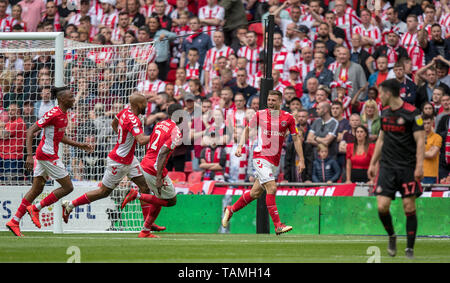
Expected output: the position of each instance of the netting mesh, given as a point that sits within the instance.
(101, 77)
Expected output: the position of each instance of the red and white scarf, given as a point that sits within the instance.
(193, 72)
(392, 54)
(191, 37)
(343, 74)
(343, 84)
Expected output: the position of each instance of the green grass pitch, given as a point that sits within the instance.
(213, 248)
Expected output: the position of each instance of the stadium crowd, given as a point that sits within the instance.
(329, 58)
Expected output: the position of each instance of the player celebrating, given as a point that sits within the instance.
(48, 164)
(165, 138)
(400, 150)
(272, 125)
(121, 161)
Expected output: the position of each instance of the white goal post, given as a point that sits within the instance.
(58, 39)
(88, 69)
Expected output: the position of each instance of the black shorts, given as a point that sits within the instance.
(392, 180)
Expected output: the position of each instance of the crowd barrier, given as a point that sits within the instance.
(309, 208)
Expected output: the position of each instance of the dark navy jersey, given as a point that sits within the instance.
(399, 146)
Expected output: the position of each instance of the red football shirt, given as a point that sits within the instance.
(166, 133)
(54, 124)
(129, 127)
(271, 133)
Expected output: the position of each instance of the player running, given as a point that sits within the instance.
(165, 138)
(400, 151)
(121, 161)
(273, 125)
(48, 164)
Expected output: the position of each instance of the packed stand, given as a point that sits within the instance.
(328, 60)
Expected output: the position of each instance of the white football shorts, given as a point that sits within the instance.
(167, 190)
(54, 169)
(264, 170)
(115, 172)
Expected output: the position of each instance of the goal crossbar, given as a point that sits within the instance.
(58, 37)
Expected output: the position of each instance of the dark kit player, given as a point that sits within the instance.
(400, 151)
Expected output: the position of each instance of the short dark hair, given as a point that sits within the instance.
(58, 91)
(392, 86)
(239, 93)
(303, 109)
(47, 22)
(46, 87)
(441, 65)
(320, 41)
(278, 32)
(173, 108)
(399, 63)
(290, 88)
(430, 6)
(101, 38)
(414, 16)
(17, 26)
(427, 117)
(194, 49)
(275, 92)
(337, 102)
(442, 89)
(85, 19)
(321, 53)
(145, 29)
(295, 99)
(436, 25)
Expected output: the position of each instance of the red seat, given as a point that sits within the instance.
(188, 166)
(195, 177)
(196, 189)
(177, 177)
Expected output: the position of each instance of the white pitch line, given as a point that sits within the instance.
(231, 240)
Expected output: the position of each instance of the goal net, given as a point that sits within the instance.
(102, 78)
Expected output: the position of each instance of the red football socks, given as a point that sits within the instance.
(20, 211)
(153, 214)
(145, 209)
(47, 201)
(243, 201)
(153, 200)
(273, 211)
(81, 200)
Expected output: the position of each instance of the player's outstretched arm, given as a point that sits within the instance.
(142, 139)
(419, 137)
(372, 171)
(115, 125)
(29, 144)
(299, 149)
(84, 146)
